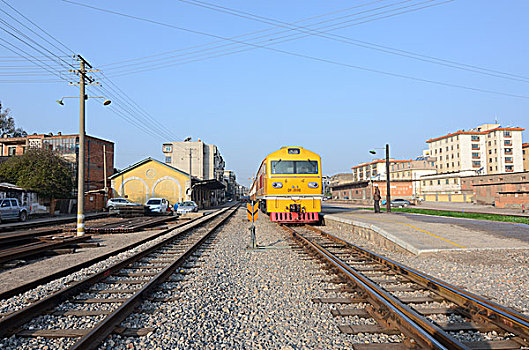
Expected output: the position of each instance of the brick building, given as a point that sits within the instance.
(67, 147)
(343, 187)
(500, 190)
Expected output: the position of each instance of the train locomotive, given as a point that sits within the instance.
(288, 186)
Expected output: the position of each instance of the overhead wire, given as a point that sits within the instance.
(194, 57)
(365, 44)
(309, 57)
(266, 37)
(123, 110)
(248, 34)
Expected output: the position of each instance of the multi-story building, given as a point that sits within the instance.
(375, 170)
(67, 146)
(230, 181)
(412, 170)
(205, 160)
(487, 149)
(525, 155)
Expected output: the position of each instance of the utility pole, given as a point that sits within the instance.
(388, 186)
(81, 155)
(105, 172)
(190, 170)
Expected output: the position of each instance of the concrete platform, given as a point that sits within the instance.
(419, 234)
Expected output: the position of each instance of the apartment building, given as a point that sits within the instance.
(67, 146)
(525, 155)
(487, 149)
(205, 160)
(375, 170)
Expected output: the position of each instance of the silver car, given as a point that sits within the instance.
(114, 203)
(187, 207)
(10, 209)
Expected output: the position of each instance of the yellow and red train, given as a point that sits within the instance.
(288, 186)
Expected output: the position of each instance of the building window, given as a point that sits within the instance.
(431, 182)
(168, 159)
(490, 160)
(475, 146)
(474, 138)
(490, 168)
(490, 143)
(508, 143)
(424, 183)
(476, 164)
(509, 168)
(475, 155)
(508, 151)
(508, 159)
(440, 157)
(12, 150)
(440, 150)
(447, 181)
(507, 134)
(490, 151)
(456, 181)
(453, 165)
(167, 148)
(447, 148)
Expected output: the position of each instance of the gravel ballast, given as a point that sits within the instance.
(240, 298)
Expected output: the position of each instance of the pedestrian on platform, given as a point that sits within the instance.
(376, 199)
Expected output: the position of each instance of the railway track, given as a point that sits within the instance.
(109, 296)
(425, 311)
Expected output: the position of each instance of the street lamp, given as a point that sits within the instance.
(388, 187)
(80, 158)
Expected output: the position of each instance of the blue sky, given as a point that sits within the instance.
(253, 102)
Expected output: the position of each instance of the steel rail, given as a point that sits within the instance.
(515, 322)
(411, 323)
(11, 322)
(106, 327)
(30, 285)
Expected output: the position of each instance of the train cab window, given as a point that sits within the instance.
(294, 167)
(293, 151)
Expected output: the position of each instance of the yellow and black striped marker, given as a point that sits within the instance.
(252, 210)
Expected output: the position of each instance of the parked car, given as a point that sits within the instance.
(158, 205)
(187, 207)
(400, 203)
(114, 203)
(10, 209)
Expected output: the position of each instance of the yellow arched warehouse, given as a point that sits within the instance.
(150, 178)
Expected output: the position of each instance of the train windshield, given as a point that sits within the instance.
(294, 167)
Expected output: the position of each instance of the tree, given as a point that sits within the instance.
(39, 170)
(7, 124)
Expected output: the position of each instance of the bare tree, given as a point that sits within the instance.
(7, 124)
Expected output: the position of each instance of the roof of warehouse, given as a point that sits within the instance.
(141, 162)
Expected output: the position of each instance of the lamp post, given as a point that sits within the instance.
(388, 180)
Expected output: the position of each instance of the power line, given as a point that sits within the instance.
(365, 44)
(313, 58)
(266, 42)
(249, 33)
(123, 110)
(233, 42)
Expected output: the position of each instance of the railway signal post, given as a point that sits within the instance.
(252, 210)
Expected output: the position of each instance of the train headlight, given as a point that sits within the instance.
(277, 185)
(313, 185)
